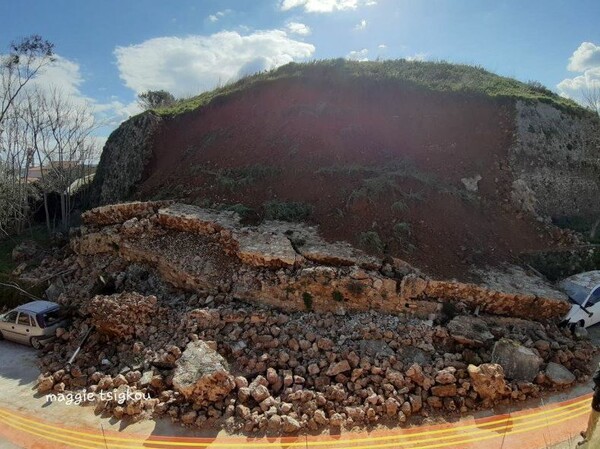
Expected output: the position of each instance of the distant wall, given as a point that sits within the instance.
(555, 162)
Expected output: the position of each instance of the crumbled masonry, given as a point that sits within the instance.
(270, 329)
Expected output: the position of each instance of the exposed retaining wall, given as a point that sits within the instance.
(555, 162)
(198, 249)
(488, 301)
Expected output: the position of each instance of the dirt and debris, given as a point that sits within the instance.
(202, 355)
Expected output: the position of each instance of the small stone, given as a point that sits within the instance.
(274, 423)
(260, 393)
(313, 369)
(338, 368)
(290, 425)
(189, 417)
(336, 420)
(320, 418)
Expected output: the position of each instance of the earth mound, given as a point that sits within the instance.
(445, 166)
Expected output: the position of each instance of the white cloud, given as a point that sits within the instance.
(382, 46)
(417, 57)
(62, 74)
(65, 76)
(587, 56)
(189, 65)
(361, 25)
(358, 55)
(322, 6)
(298, 28)
(586, 61)
(218, 15)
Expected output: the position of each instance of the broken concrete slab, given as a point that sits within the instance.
(119, 213)
(194, 219)
(265, 249)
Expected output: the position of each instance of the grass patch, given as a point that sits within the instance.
(399, 206)
(277, 210)
(242, 210)
(438, 76)
(235, 178)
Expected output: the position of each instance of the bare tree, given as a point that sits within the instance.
(22, 64)
(591, 96)
(15, 160)
(24, 61)
(60, 133)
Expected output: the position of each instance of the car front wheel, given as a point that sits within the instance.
(36, 343)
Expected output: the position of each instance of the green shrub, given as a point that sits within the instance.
(355, 288)
(242, 210)
(371, 241)
(402, 231)
(399, 206)
(413, 196)
(308, 301)
(337, 296)
(276, 210)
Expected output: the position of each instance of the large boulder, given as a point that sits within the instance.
(518, 362)
(469, 331)
(558, 375)
(202, 375)
(488, 381)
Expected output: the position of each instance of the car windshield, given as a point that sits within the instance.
(576, 293)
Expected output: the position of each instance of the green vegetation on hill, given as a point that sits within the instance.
(433, 76)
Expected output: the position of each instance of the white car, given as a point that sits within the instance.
(583, 290)
(33, 323)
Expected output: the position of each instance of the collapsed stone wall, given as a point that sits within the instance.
(288, 266)
(162, 291)
(555, 162)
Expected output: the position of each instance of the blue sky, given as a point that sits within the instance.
(111, 50)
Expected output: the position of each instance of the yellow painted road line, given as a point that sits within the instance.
(575, 409)
(408, 434)
(149, 443)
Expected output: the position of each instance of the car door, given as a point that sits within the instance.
(23, 328)
(7, 326)
(593, 306)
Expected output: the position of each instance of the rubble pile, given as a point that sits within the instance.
(122, 315)
(200, 353)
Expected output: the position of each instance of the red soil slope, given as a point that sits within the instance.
(300, 128)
